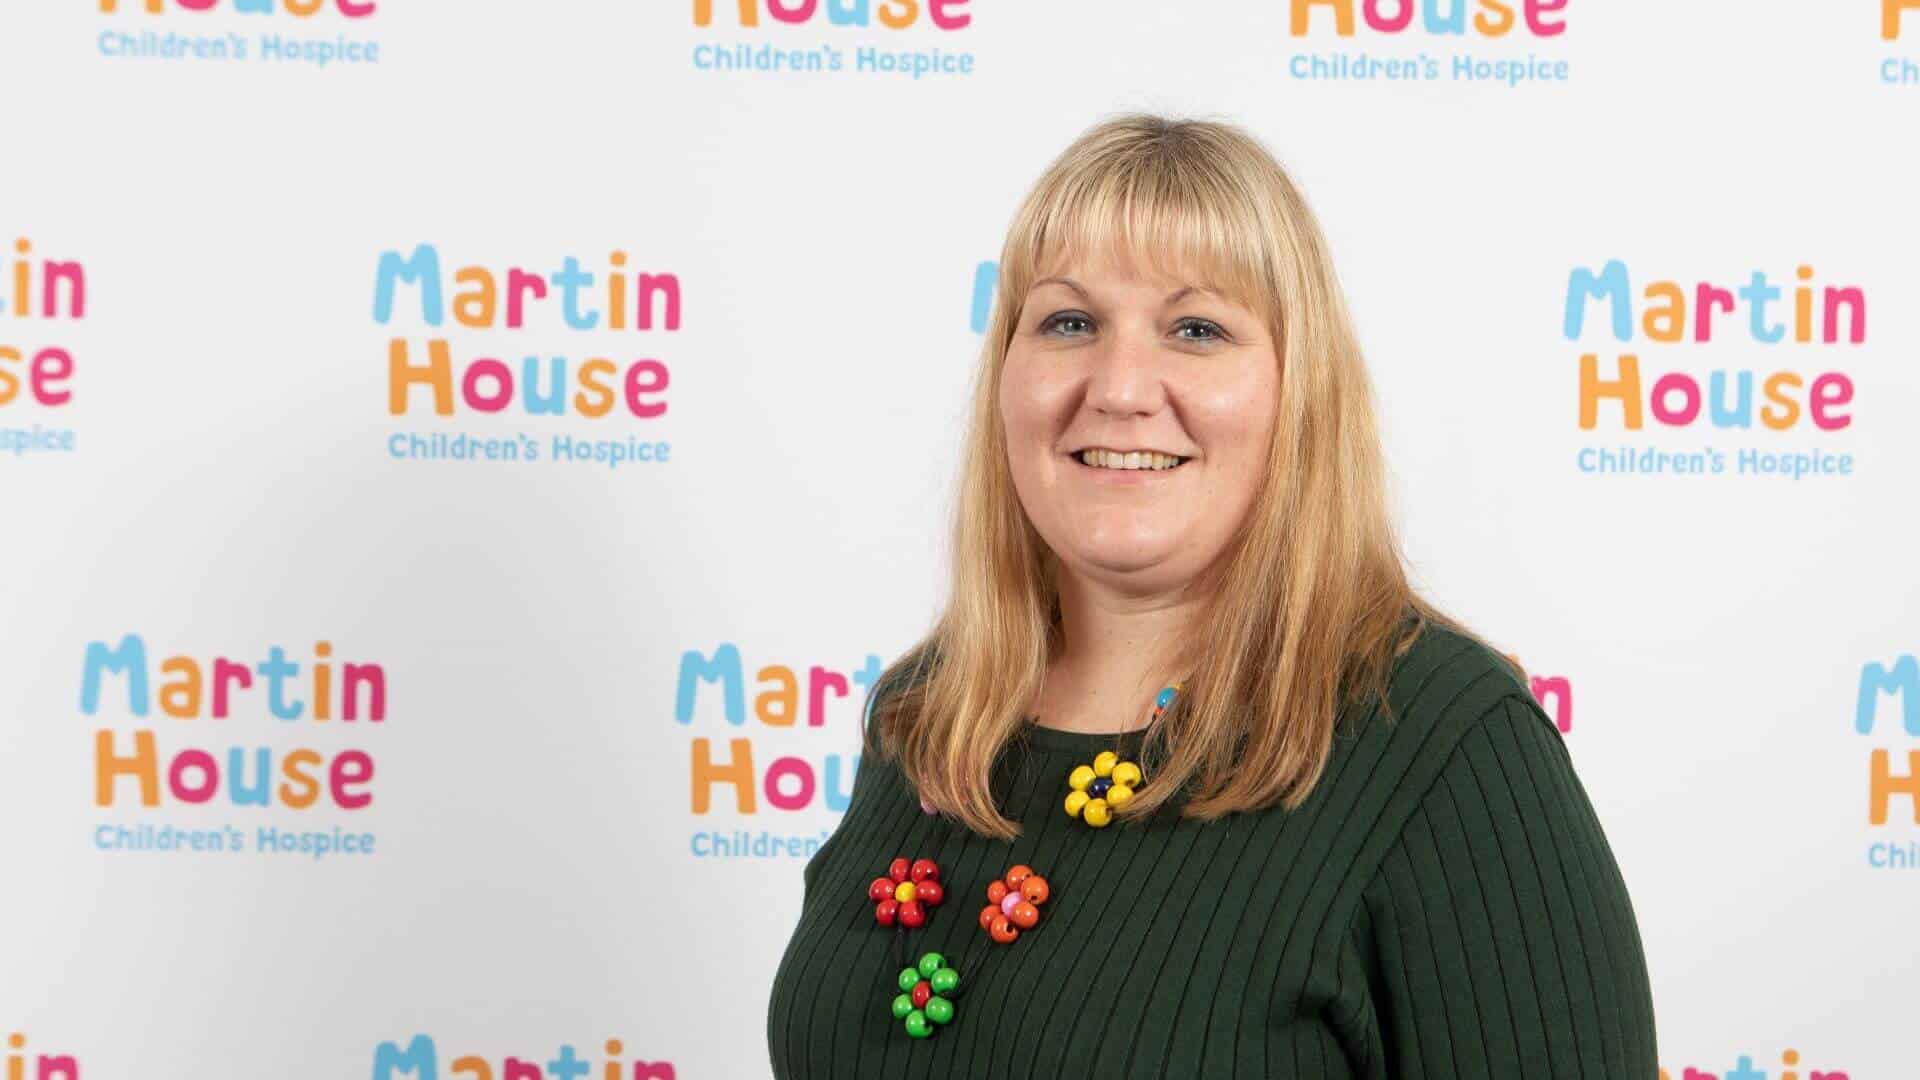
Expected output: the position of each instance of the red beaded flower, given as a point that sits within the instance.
(1013, 904)
(906, 893)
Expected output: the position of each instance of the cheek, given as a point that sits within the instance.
(1030, 404)
(1234, 414)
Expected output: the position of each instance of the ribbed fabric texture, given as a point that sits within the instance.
(1443, 905)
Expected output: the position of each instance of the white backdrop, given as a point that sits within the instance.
(215, 474)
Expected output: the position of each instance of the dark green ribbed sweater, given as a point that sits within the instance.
(1444, 904)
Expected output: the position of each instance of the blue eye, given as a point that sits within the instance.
(1058, 322)
(1209, 331)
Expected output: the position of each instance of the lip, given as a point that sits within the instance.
(1078, 450)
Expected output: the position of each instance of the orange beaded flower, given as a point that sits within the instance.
(1013, 904)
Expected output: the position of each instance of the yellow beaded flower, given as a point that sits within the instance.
(1109, 782)
(1098, 788)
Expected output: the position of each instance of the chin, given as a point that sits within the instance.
(1132, 562)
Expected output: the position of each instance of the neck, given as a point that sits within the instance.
(1120, 649)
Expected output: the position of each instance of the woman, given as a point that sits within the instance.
(1347, 842)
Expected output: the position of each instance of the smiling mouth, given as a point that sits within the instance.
(1144, 460)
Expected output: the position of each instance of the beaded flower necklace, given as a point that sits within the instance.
(929, 987)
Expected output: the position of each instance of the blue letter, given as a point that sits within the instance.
(1756, 292)
(276, 667)
(567, 1066)
(1740, 415)
(1611, 286)
(841, 14)
(986, 277)
(725, 665)
(552, 402)
(130, 657)
(1903, 680)
(242, 793)
(571, 279)
(424, 268)
(1453, 22)
(420, 1058)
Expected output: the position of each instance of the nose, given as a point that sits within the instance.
(1124, 377)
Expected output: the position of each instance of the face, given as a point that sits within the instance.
(1138, 412)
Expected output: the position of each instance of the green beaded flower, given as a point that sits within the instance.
(925, 992)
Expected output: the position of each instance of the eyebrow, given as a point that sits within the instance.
(1172, 297)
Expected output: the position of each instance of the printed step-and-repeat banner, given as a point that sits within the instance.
(463, 464)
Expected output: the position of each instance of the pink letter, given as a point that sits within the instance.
(76, 278)
(1707, 298)
(1370, 10)
(799, 13)
(794, 767)
(519, 282)
(1689, 392)
(50, 365)
(1856, 302)
(937, 11)
(1831, 388)
(819, 681)
(654, 383)
(487, 367)
(351, 767)
(644, 286)
(209, 776)
(1540, 26)
(225, 673)
(374, 678)
(1561, 691)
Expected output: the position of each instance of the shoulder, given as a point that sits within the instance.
(1449, 694)
(1448, 676)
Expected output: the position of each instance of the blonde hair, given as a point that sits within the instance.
(1310, 604)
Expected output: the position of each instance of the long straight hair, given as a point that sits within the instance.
(1310, 604)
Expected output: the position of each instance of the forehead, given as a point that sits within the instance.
(1126, 274)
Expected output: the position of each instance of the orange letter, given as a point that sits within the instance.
(706, 774)
(1342, 16)
(476, 1065)
(9, 382)
(437, 372)
(474, 308)
(1882, 786)
(1626, 388)
(107, 766)
(1785, 419)
(703, 12)
(180, 698)
(1499, 24)
(601, 402)
(779, 706)
(1672, 319)
(900, 20)
(309, 787)
(1890, 16)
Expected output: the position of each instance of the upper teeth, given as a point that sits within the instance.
(1136, 459)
